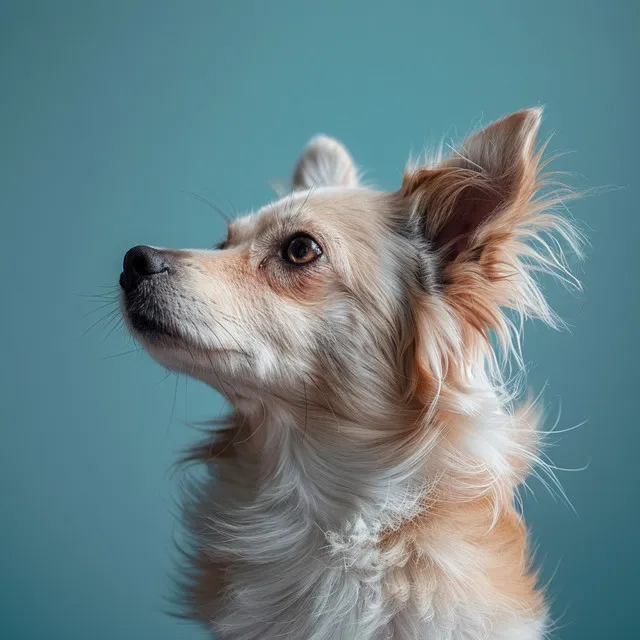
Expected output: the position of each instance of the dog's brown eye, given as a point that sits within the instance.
(302, 250)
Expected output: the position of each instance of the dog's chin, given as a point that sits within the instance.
(150, 331)
(178, 351)
(165, 346)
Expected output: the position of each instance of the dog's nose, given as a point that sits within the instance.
(140, 263)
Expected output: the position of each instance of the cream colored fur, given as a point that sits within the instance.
(365, 485)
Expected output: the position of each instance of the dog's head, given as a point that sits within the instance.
(372, 297)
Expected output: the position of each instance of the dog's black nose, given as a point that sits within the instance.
(139, 263)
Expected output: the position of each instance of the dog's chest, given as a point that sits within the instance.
(342, 586)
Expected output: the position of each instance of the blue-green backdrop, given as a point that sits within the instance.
(110, 112)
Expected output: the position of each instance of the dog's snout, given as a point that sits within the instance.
(140, 263)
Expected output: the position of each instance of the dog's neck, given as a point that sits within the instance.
(328, 467)
(300, 509)
(337, 465)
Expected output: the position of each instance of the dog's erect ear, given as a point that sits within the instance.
(478, 194)
(324, 163)
(492, 233)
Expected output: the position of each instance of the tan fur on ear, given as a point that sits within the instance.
(492, 173)
(479, 210)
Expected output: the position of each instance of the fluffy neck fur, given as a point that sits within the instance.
(289, 546)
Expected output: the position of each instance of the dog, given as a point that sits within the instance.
(366, 485)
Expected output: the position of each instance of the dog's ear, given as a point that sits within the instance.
(490, 231)
(324, 163)
(478, 194)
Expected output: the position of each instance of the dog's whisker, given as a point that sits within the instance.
(100, 308)
(114, 326)
(173, 406)
(123, 353)
(212, 206)
(108, 316)
(306, 411)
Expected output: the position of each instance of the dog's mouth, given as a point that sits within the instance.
(149, 316)
(150, 328)
(153, 322)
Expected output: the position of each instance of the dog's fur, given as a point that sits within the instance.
(365, 486)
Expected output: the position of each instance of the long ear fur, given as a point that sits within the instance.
(324, 163)
(491, 232)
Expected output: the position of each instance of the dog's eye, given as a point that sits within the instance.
(301, 249)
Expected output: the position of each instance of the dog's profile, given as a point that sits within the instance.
(365, 486)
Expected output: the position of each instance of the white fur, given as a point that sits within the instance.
(308, 569)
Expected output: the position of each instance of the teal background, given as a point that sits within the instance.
(110, 112)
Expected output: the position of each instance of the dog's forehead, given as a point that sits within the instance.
(328, 208)
(253, 225)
